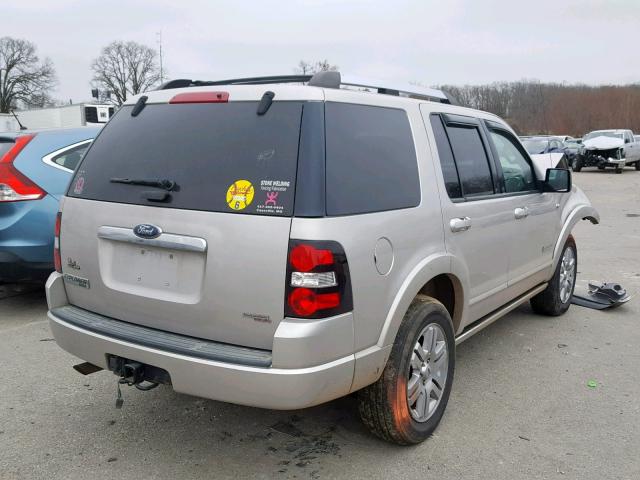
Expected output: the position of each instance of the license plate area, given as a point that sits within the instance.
(153, 272)
(152, 267)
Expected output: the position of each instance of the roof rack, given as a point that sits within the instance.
(328, 79)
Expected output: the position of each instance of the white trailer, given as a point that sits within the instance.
(66, 116)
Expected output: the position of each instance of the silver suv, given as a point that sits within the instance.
(281, 242)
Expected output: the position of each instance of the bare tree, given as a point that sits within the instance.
(125, 68)
(309, 68)
(532, 107)
(24, 79)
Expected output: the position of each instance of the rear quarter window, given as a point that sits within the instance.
(371, 161)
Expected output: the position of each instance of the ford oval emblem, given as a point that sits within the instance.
(145, 230)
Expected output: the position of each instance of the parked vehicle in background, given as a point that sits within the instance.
(549, 145)
(564, 138)
(281, 245)
(35, 169)
(572, 149)
(64, 116)
(536, 145)
(608, 148)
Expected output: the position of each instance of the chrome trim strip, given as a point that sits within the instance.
(48, 158)
(165, 240)
(492, 317)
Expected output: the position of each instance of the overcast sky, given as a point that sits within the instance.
(432, 42)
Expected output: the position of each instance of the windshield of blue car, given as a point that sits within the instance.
(535, 146)
(602, 134)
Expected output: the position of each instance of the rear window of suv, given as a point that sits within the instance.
(222, 157)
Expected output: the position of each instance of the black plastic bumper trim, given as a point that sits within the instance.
(161, 340)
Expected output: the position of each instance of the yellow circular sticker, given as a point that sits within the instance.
(240, 194)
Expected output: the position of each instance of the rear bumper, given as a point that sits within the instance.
(274, 386)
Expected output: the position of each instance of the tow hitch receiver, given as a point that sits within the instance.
(130, 372)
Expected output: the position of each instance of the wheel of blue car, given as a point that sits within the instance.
(556, 298)
(407, 402)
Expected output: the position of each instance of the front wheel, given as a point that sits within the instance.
(556, 298)
(577, 164)
(407, 402)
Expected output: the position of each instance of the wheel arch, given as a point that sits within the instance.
(442, 277)
(582, 212)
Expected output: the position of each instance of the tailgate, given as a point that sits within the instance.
(208, 275)
(178, 218)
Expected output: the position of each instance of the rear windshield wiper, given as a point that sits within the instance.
(166, 184)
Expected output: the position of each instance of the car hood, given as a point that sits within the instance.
(543, 161)
(603, 143)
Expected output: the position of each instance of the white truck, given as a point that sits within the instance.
(608, 148)
(65, 116)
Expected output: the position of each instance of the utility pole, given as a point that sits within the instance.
(159, 39)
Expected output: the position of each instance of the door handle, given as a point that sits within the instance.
(460, 224)
(521, 212)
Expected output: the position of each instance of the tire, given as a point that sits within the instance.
(577, 165)
(551, 300)
(384, 406)
(637, 165)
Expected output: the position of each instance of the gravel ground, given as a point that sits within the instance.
(520, 406)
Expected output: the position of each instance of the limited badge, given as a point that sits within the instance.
(240, 194)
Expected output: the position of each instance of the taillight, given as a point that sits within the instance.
(318, 283)
(57, 260)
(200, 97)
(14, 186)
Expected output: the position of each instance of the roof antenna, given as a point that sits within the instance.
(265, 102)
(22, 127)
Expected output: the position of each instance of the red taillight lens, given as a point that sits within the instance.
(305, 302)
(14, 186)
(305, 258)
(318, 280)
(201, 97)
(57, 261)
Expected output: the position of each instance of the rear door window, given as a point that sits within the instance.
(449, 170)
(371, 163)
(222, 157)
(471, 159)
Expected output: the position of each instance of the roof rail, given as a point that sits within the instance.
(328, 79)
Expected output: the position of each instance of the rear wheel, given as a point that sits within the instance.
(637, 165)
(406, 404)
(556, 298)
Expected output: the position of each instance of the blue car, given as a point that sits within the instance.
(35, 169)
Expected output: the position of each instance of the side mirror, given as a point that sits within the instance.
(626, 140)
(557, 180)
